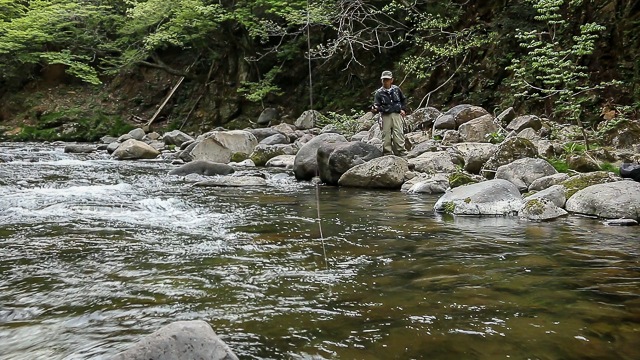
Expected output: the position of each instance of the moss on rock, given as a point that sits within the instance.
(581, 181)
(459, 178)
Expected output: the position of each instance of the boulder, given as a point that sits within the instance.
(305, 166)
(208, 149)
(530, 134)
(477, 129)
(79, 148)
(581, 181)
(522, 122)
(176, 137)
(540, 210)
(510, 150)
(547, 181)
(464, 113)
(307, 120)
(436, 162)
(615, 200)
(235, 140)
(288, 130)
(506, 116)
(582, 163)
(180, 340)
(385, 172)
(275, 139)
(547, 149)
(523, 172)
(113, 147)
(436, 184)
(334, 159)
(285, 161)
(475, 155)
(108, 139)
(444, 122)
(423, 118)
(460, 178)
(450, 137)
(137, 134)
(557, 194)
(366, 121)
(493, 197)
(202, 167)
(624, 134)
(423, 147)
(263, 133)
(134, 149)
(263, 153)
(267, 116)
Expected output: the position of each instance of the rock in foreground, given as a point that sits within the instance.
(180, 340)
(615, 200)
(493, 197)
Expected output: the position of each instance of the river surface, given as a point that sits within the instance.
(96, 253)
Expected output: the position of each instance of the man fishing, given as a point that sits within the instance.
(391, 103)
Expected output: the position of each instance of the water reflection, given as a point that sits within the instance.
(94, 253)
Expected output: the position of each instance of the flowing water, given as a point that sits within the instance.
(96, 253)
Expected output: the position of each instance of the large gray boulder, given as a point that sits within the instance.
(548, 181)
(334, 159)
(218, 146)
(263, 133)
(137, 134)
(464, 113)
(305, 166)
(557, 194)
(180, 340)
(268, 115)
(508, 151)
(444, 122)
(79, 148)
(176, 137)
(263, 153)
(275, 139)
(423, 118)
(522, 122)
(493, 197)
(387, 172)
(614, 200)
(436, 162)
(476, 130)
(523, 172)
(475, 155)
(134, 149)
(434, 184)
(285, 161)
(307, 120)
(540, 209)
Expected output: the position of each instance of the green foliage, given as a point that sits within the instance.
(574, 148)
(347, 125)
(73, 125)
(257, 91)
(46, 32)
(552, 66)
(560, 164)
(496, 137)
(605, 166)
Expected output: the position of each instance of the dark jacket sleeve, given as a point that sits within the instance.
(377, 101)
(403, 100)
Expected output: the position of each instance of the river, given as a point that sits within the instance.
(96, 253)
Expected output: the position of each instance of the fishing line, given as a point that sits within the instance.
(313, 115)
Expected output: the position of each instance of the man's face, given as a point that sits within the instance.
(386, 83)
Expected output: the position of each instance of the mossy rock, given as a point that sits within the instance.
(534, 207)
(581, 181)
(449, 207)
(239, 157)
(459, 179)
(510, 150)
(582, 163)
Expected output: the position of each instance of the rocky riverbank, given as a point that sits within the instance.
(483, 165)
